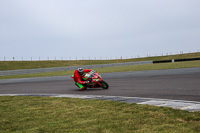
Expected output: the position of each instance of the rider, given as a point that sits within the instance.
(78, 74)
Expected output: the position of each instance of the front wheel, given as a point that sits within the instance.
(104, 85)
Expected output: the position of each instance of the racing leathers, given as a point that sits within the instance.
(78, 79)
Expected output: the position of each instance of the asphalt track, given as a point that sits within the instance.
(176, 84)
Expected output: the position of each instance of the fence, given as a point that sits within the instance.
(48, 58)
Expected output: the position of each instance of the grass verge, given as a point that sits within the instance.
(48, 114)
(17, 65)
(160, 66)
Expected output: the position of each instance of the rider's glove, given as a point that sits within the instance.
(93, 71)
(86, 82)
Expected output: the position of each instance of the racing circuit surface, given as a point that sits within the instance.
(176, 84)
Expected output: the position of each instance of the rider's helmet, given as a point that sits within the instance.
(80, 71)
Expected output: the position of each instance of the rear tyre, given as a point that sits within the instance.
(104, 85)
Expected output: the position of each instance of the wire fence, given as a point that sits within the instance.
(74, 58)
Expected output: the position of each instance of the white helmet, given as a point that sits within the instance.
(80, 71)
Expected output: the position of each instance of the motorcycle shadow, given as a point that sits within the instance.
(90, 89)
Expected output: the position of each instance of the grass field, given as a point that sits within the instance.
(16, 65)
(187, 64)
(46, 114)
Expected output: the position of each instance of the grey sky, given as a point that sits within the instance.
(97, 28)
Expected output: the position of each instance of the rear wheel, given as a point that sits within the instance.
(104, 85)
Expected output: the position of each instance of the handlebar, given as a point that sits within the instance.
(92, 74)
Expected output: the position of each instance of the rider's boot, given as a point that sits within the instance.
(82, 88)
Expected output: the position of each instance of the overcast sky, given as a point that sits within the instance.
(97, 28)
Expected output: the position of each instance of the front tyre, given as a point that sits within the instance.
(104, 85)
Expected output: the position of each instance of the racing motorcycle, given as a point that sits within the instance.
(95, 80)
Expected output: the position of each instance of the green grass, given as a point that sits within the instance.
(160, 66)
(48, 114)
(16, 65)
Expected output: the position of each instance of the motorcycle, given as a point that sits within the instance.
(95, 80)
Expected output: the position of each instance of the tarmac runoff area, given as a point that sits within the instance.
(190, 106)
